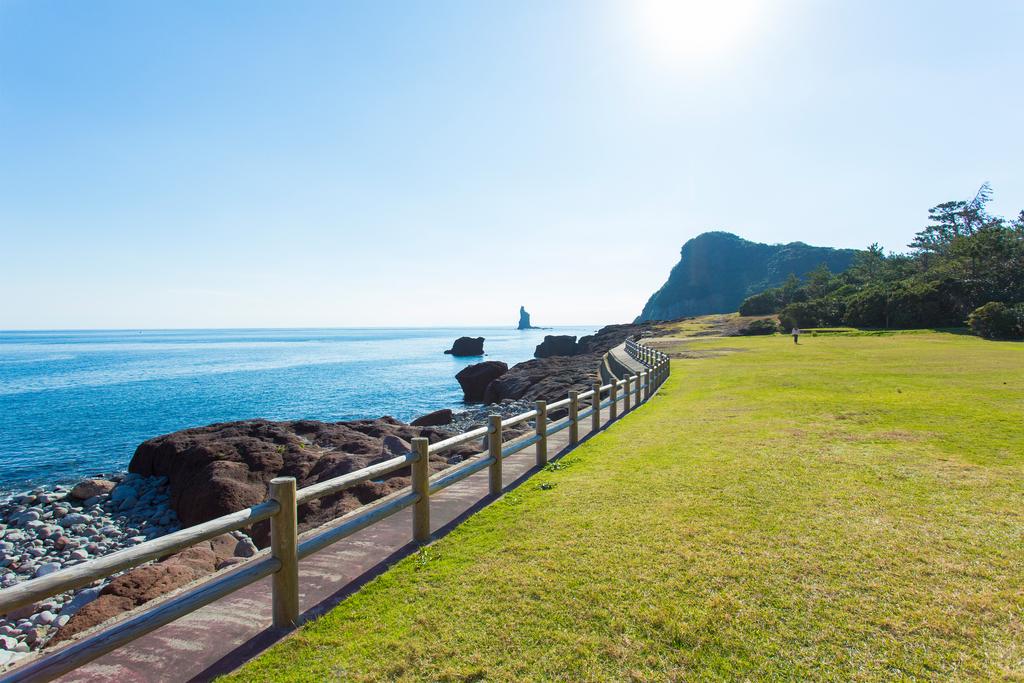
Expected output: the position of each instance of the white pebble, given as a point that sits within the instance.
(47, 568)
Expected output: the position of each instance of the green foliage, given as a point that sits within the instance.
(996, 320)
(764, 303)
(759, 327)
(868, 307)
(825, 312)
(963, 258)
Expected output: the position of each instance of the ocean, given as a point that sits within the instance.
(77, 403)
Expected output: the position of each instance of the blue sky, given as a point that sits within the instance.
(190, 164)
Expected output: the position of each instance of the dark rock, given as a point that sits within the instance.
(524, 320)
(467, 346)
(547, 379)
(551, 378)
(556, 345)
(434, 419)
(611, 336)
(474, 378)
(225, 467)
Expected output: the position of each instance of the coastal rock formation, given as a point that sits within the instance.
(224, 467)
(524, 320)
(551, 378)
(718, 270)
(610, 336)
(437, 418)
(467, 346)
(474, 379)
(556, 345)
(548, 379)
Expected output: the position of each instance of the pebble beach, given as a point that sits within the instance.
(53, 527)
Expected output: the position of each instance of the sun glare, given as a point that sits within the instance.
(694, 33)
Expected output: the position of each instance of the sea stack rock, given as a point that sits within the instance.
(524, 319)
(556, 345)
(474, 379)
(467, 346)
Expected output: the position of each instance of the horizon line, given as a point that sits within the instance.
(303, 327)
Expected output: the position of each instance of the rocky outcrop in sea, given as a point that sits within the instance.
(563, 364)
(467, 346)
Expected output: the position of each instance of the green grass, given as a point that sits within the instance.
(851, 508)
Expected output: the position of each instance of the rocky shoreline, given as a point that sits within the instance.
(193, 475)
(52, 527)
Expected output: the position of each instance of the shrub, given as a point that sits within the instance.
(760, 327)
(761, 304)
(867, 308)
(800, 314)
(916, 305)
(825, 312)
(996, 320)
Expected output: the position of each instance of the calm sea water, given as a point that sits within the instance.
(78, 403)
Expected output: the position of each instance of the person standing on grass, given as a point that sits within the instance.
(796, 335)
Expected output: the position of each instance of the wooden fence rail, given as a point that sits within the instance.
(287, 547)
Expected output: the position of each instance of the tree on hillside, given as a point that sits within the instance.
(818, 281)
(789, 289)
(868, 265)
(951, 220)
(964, 259)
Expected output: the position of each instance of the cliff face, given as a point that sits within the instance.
(718, 270)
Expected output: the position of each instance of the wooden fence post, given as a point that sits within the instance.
(626, 395)
(648, 379)
(421, 485)
(542, 433)
(284, 534)
(494, 450)
(595, 418)
(613, 408)
(574, 414)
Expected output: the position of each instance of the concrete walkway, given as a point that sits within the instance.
(621, 363)
(221, 636)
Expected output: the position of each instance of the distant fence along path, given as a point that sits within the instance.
(288, 548)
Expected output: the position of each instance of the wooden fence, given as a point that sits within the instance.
(287, 547)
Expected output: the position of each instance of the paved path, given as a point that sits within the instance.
(219, 637)
(620, 354)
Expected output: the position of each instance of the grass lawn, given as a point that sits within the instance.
(851, 508)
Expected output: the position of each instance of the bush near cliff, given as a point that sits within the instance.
(964, 259)
(766, 326)
(996, 320)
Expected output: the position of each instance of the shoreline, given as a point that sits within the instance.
(50, 527)
(47, 528)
